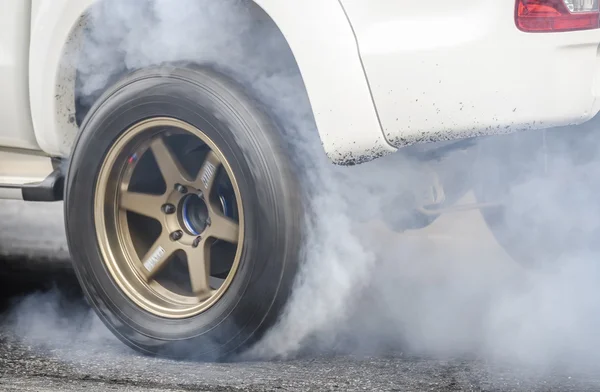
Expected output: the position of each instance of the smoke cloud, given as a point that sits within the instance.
(362, 288)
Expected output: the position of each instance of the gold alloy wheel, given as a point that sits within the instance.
(169, 218)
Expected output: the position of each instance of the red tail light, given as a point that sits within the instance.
(557, 15)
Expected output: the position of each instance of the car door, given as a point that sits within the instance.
(16, 128)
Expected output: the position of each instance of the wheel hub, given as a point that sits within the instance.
(194, 213)
(189, 219)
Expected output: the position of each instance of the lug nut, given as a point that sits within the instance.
(181, 189)
(176, 235)
(168, 209)
(196, 242)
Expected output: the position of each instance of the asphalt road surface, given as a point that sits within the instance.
(51, 341)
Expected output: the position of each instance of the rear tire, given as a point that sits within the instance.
(250, 147)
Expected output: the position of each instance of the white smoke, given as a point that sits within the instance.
(363, 288)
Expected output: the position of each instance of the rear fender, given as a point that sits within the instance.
(317, 31)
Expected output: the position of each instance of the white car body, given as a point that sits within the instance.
(396, 73)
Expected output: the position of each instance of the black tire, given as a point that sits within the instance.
(269, 189)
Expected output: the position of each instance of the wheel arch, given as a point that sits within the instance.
(338, 93)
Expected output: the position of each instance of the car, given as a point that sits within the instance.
(179, 134)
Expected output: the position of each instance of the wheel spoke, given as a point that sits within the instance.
(224, 228)
(199, 267)
(208, 173)
(158, 255)
(142, 203)
(170, 168)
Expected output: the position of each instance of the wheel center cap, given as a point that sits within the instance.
(194, 214)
